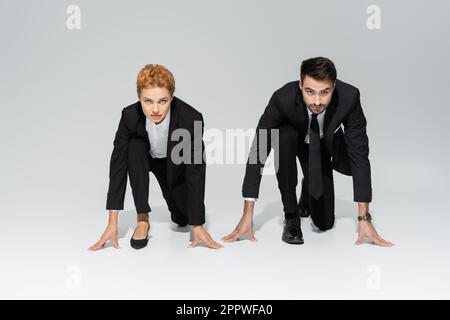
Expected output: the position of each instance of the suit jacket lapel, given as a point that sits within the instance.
(329, 112)
(330, 122)
(141, 130)
(170, 144)
(302, 114)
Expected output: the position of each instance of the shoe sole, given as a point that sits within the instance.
(298, 241)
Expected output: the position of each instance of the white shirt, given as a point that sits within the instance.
(158, 135)
(320, 119)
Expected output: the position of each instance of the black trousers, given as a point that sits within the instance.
(140, 163)
(291, 147)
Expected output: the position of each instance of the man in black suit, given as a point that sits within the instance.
(308, 116)
(162, 134)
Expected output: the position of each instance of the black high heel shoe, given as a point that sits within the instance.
(139, 243)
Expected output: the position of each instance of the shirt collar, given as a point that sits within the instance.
(320, 115)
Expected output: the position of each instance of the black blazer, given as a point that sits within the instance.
(185, 180)
(348, 146)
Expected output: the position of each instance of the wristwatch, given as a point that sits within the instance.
(367, 217)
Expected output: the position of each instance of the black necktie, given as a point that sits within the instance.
(315, 166)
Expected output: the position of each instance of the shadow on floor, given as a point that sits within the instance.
(344, 209)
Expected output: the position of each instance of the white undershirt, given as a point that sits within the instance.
(158, 135)
(320, 119)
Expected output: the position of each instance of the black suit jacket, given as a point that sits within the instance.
(185, 180)
(348, 146)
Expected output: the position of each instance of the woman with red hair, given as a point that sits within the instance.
(143, 143)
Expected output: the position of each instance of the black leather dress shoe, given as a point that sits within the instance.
(139, 243)
(292, 231)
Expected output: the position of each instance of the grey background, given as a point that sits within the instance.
(61, 96)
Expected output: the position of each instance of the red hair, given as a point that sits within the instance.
(155, 75)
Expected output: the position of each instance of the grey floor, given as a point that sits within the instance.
(48, 258)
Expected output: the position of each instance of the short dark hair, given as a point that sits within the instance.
(319, 68)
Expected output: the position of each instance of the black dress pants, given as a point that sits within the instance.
(291, 147)
(139, 164)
